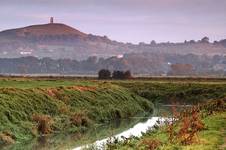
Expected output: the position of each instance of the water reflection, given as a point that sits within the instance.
(70, 141)
(134, 126)
(136, 130)
(161, 113)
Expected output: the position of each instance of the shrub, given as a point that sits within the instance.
(151, 144)
(104, 74)
(118, 75)
(44, 123)
(121, 74)
(127, 75)
(80, 119)
(190, 121)
(7, 138)
(189, 124)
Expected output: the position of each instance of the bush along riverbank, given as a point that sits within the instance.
(168, 92)
(32, 112)
(200, 127)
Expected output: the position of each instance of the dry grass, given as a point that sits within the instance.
(189, 128)
(52, 92)
(82, 88)
(7, 138)
(44, 123)
(151, 144)
(189, 123)
(80, 119)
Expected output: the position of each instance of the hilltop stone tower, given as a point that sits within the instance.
(51, 20)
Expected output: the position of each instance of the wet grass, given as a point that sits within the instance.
(75, 105)
(71, 109)
(211, 136)
(183, 92)
(63, 141)
(25, 83)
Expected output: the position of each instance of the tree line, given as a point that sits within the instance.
(117, 74)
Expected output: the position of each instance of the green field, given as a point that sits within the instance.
(30, 107)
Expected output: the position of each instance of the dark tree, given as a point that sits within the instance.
(104, 74)
(118, 75)
(127, 75)
(121, 74)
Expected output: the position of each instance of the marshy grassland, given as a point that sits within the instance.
(31, 107)
(201, 127)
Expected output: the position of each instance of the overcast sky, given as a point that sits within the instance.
(124, 20)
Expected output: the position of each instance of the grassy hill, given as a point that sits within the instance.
(32, 108)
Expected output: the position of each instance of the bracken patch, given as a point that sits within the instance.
(82, 88)
(80, 119)
(6, 138)
(151, 144)
(52, 92)
(44, 123)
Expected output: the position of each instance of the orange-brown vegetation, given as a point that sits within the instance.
(44, 123)
(215, 106)
(191, 124)
(7, 138)
(82, 88)
(80, 119)
(64, 110)
(52, 92)
(185, 128)
(151, 144)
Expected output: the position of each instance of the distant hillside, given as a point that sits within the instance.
(139, 64)
(58, 41)
(222, 42)
(51, 29)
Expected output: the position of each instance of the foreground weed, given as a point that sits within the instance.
(44, 123)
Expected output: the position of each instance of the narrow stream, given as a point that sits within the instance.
(72, 141)
(136, 130)
(97, 135)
